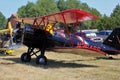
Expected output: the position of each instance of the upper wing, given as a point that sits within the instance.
(67, 16)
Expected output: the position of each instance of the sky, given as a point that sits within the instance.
(9, 7)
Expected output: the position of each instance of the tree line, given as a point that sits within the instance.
(44, 7)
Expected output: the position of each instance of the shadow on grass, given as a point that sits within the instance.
(52, 63)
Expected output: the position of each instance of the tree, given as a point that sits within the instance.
(107, 22)
(41, 7)
(116, 11)
(85, 7)
(72, 4)
(47, 7)
(30, 10)
(116, 16)
(61, 4)
(3, 21)
(21, 11)
(95, 11)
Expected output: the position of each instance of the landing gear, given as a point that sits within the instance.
(40, 59)
(25, 57)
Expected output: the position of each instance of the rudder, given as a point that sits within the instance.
(113, 39)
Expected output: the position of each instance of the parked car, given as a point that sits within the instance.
(104, 33)
(91, 36)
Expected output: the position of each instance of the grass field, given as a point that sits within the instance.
(60, 66)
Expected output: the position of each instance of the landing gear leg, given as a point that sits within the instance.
(26, 57)
(41, 59)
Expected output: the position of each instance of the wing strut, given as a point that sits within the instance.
(65, 25)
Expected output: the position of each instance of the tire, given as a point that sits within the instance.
(41, 60)
(25, 57)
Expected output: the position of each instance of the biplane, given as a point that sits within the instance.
(41, 35)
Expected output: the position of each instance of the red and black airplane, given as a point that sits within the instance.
(41, 35)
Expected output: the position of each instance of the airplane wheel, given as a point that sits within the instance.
(41, 60)
(25, 57)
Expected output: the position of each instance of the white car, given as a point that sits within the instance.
(90, 35)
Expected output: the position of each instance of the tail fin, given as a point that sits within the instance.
(113, 39)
